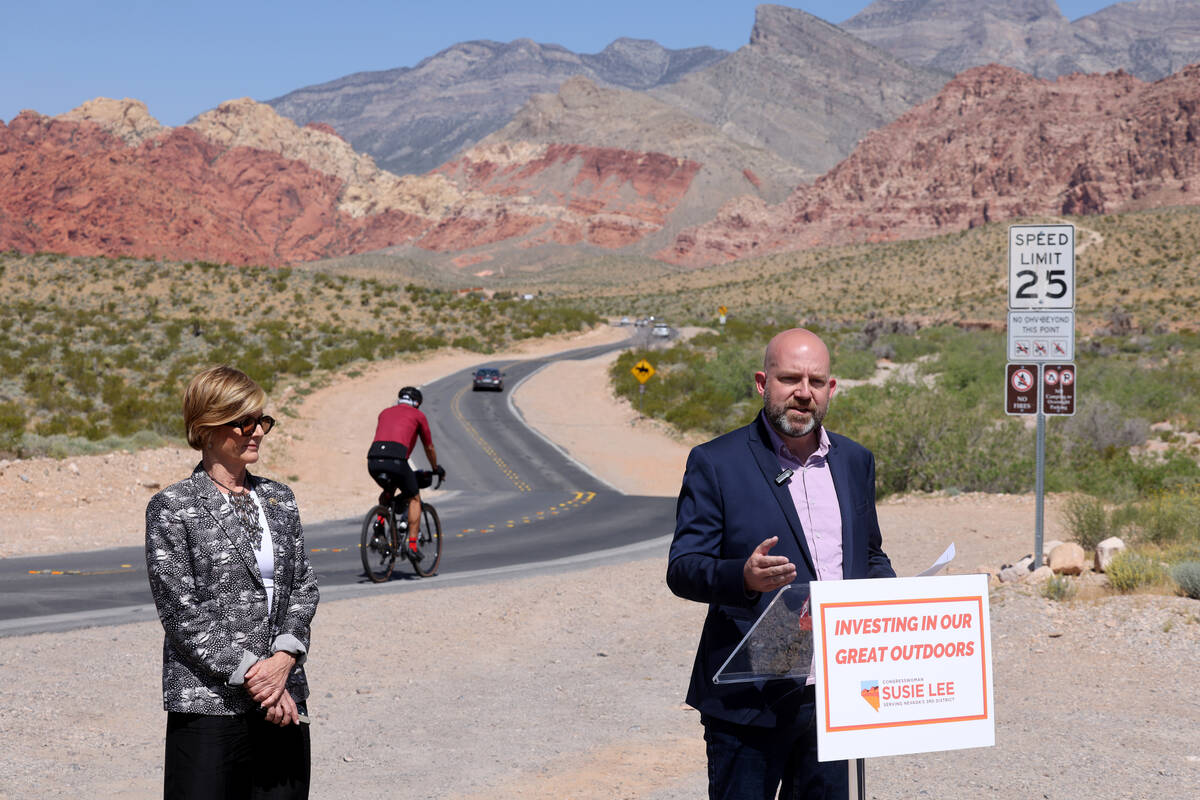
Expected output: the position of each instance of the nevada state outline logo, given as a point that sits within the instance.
(870, 692)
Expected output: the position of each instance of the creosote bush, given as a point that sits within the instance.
(1187, 575)
(1130, 570)
(1058, 587)
(1087, 520)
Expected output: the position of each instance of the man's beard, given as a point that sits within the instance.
(777, 415)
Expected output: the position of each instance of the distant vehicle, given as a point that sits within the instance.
(488, 378)
(641, 323)
(661, 329)
(625, 321)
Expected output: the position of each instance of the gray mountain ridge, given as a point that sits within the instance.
(412, 119)
(1149, 39)
(803, 89)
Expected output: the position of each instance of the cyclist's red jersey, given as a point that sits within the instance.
(403, 424)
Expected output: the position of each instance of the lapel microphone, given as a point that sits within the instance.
(783, 477)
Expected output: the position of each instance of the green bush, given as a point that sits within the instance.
(12, 426)
(853, 365)
(1087, 521)
(1129, 571)
(1170, 517)
(1187, 575)
(1058, 587)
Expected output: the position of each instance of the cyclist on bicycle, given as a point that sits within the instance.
(396, 435)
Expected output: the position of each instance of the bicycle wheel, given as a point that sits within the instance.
(378, 554)
(429, 543)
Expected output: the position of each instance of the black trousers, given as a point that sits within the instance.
(234, 757)
(752, 763)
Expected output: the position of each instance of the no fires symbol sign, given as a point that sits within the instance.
(1022, 379)
(1021, 389)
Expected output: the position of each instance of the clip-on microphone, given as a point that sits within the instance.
(782, 477)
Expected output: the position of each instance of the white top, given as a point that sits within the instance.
(265, 553)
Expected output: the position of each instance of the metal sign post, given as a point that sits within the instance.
(1041, 328)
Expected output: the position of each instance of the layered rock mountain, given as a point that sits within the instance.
(70, 186)
(582, 112)
(994, 144)
(413, 119)
(1148, 38)
(242, 184)
(802, 88)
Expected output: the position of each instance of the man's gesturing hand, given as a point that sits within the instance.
(766, 573)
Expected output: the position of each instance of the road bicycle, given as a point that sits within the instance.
(385, 536)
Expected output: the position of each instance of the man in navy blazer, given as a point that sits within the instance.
(778, 501)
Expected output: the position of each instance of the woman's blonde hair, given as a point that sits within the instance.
(216, 396)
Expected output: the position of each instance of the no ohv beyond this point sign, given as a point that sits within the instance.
(1021, 389)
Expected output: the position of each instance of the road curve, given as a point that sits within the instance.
(514, 501)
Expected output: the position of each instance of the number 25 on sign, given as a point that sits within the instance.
(1041, 267)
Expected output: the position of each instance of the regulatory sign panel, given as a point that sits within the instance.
(1041, 267)
(1058, 389)
(1021, 389)
(1041, 335)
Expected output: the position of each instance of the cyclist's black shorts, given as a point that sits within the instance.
(388, 464)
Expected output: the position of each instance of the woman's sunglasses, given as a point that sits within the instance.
(247, 426)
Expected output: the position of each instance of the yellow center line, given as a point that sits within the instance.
(581, 498)
(483, 445)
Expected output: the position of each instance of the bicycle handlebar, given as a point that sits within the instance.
(440, 475)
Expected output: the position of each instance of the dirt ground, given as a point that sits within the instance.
(568, 682)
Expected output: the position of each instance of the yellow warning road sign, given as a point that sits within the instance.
(643, 371)
(722, 311)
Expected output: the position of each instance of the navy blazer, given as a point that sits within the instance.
(728, 505)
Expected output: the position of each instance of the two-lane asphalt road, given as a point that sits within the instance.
(513, 501)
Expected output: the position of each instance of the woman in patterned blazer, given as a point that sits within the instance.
(236, 595)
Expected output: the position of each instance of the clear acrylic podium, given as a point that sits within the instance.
(778, 645)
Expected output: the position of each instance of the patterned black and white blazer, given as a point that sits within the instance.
(210, 596)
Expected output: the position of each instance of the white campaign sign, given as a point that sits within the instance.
(1041, 267)
(903, 665)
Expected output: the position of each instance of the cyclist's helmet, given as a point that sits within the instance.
(411, 395)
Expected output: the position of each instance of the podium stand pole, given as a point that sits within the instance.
(858, 781)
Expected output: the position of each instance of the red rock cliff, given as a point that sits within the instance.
(994, 144)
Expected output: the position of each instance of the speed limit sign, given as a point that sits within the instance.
(1041, 267)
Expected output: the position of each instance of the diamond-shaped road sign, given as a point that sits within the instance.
(643, 371)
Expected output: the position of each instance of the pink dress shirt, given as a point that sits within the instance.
(816, 502)
(815, 499)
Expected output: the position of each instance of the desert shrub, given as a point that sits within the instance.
(853, 364)
(1058, 587)
(12, 426)
(470, 343)
(1187, 575)
(1170, 517)
(927, 440)
(1087, 521)
(1102, 427)
(1130, 570)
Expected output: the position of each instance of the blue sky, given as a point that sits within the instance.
(182, 57)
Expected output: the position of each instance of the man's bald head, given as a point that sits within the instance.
(794, 342)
